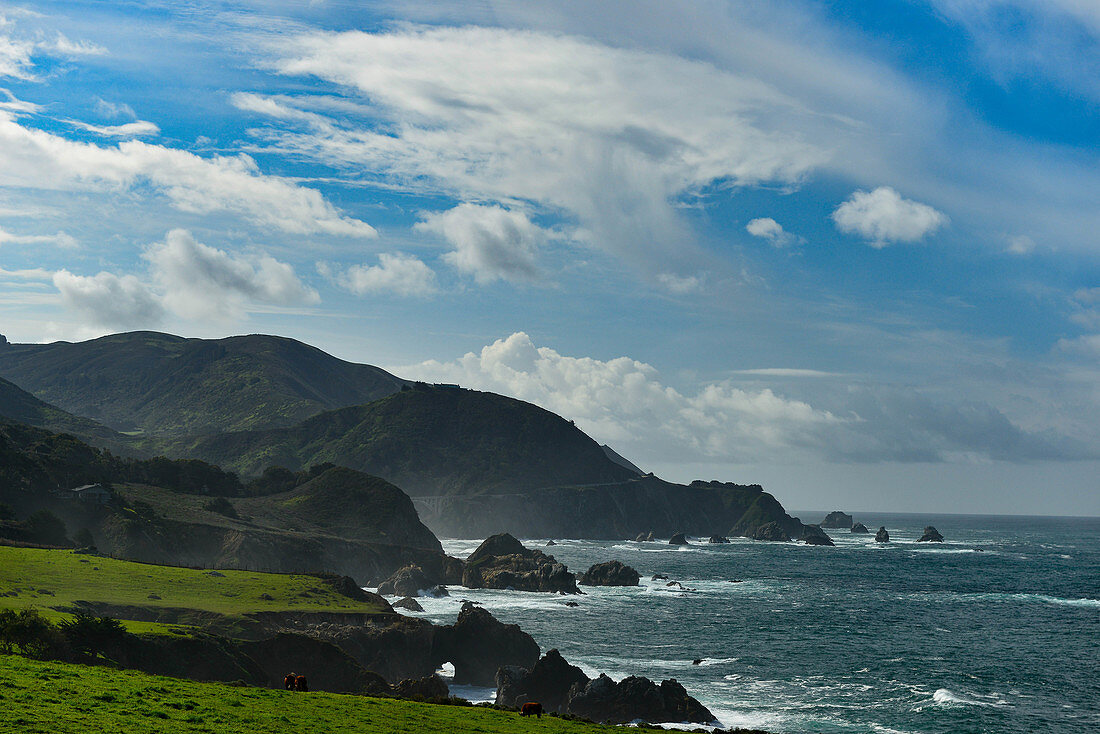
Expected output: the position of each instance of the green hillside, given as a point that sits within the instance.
(428, 440)
(20, 406)
(158, 383)
(63, 698)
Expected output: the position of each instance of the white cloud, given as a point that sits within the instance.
(198, 281)
(489, 242)
(136, 129)
(61, 239)
(625, 403)
(398, 273)
(882, 216)
(610, 137)
(37, 159)
(772, 231)
(1021, 245)
(17, 51)
(109, 300)
(680, 284)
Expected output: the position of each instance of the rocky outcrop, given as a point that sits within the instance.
(860, 529)
(408, 603)
(718, 539)
(428, 688)
(408, 582)
(837, 520)
(549, 682)
(678, 539)
(931, 535)
(611, 573)
(771, 531)
(635, 697)
(644, 537)
(501, 562)
(882, 536)
(813, 535)
(565, 689)
(478, 644)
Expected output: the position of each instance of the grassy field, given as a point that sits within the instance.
(57, 698)
(34, 577)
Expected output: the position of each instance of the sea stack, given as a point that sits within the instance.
(860, 528)
(678, 539)
(837, 520)
(882, 536)
(931, 535)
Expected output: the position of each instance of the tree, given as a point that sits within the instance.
(47, 528)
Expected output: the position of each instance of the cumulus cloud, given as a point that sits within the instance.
(36, 159)
(398, 273)
(882, 216)
(772, 231)
(610, 137)
(625, 403)
(680, 284)
(109, 300)
(490, 242)
(199, 281)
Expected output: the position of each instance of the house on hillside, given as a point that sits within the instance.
(94, 493)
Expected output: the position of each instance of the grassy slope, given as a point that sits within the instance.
(20, 406)
(75, 577)
(157, 383)
(429, 440)
(58, 698)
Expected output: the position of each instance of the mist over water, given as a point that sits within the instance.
(995, 630)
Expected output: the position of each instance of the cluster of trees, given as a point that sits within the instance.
(41, 528)
(26, 632)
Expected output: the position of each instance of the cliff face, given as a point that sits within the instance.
(610, 512)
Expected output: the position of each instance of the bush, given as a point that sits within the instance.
(222, 506)
(26, 632)
(46, 528)
(93, 635)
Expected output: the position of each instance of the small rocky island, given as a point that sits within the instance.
(860, 529)
(814, 535)
(931, 535)
(502, 562)
(678, 539)
(611, 573)
(837, 520)
(882, 536)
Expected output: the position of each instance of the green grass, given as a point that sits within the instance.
(57, 698)
(34, 577)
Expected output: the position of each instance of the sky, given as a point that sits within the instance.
(847, 250)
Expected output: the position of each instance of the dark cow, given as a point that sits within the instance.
(531, 709)
(288, 681)
(300, 684)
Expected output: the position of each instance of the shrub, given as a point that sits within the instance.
(222, 506)
(28, 633)
(93, 635)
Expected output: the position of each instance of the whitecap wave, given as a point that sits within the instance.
(947, 697)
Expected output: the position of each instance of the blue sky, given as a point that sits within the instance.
(845, 249)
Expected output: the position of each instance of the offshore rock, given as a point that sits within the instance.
(478, 644)
(771, 531)
(718, 539)
(837, 520)
(678, 539)
(611, 573)
(931, 535)
(408, 603)
(813, 535)
(644, 537)
(633, 698)
(882, 536)
(502, 562)
(860, 528)
(407, 581)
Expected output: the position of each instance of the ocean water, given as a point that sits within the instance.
(995, 630)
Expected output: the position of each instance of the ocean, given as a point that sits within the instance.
(995, 630)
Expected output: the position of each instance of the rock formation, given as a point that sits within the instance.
(564, 688)
(428, 688)
(678, 539)
(718, 539)
(882, 536)
(611, 573)
(478, 644)
(837, 519)
(771, 531)
(408, 603)
(407, 581)
(931, 535)
(643, 537)
(502, 562)
(813, 535)
(860, 529)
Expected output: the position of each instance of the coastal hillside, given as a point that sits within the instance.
(20, 406)
(429, 440)
(157, 383)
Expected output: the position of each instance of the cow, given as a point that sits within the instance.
(531, 708)
(300, 684)
(288, 681)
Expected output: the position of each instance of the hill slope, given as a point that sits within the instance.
(429, 440)
(20, 406)
(158, 383)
